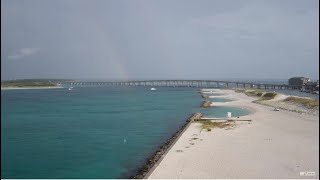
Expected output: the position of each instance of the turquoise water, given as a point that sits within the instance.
(91, 132)
(221, 111)
(220, 100)
(214, 94)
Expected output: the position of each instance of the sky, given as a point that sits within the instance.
(159, 39)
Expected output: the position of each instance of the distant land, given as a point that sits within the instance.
(31, 83)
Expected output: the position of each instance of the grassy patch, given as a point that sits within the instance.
(262, 95)
(29, 83)
(207, 124)
(268, 95)
(239, 90)
(303, 101)
(254, 93)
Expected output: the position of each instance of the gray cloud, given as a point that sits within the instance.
(24, 52)
(187, 39)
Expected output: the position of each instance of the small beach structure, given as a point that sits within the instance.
(229, 115)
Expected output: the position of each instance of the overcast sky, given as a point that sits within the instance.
(159, 39)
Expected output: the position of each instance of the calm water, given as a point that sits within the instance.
(91, 132)
(220, 100)
(214, 94)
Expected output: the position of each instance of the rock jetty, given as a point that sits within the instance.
(204, 96)
(206, 104)
(153, 159)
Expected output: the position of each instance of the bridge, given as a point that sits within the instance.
(183, 83)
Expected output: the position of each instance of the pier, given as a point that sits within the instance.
(184, 83)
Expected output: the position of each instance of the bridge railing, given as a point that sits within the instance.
(184, 83)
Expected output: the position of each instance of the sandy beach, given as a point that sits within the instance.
(275, 144)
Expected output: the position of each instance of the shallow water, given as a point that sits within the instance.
(214, 94)
(220, 99)
(91, 132)
(221, 111)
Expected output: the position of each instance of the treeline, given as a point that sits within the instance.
(31, 82)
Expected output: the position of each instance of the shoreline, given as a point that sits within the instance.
(152, 161)
(282, 142)
(274, 103)
(20, 88)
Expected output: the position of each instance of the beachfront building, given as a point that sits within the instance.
(298, 81)
(313, 86)
(304, 84)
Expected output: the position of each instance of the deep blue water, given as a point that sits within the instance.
(91, 132)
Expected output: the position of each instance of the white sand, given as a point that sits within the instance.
(276, 144)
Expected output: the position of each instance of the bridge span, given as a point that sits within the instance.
(183, 83)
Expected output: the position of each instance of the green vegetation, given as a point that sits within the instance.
(31, 82)
(208, 125)
(268, 95)
(255, 93)
(262, 95)
(249, 91)
(303, 101)
(239, 90)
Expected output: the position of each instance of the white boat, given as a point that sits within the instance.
(70, 88)
(153, 89)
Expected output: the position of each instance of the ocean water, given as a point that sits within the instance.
(91, 132)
